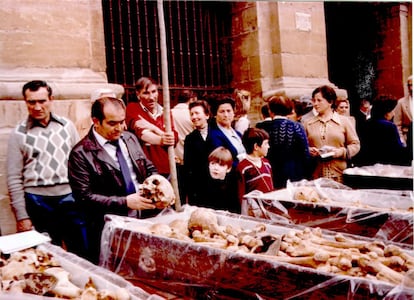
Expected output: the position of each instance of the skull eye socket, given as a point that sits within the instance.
(156, 182)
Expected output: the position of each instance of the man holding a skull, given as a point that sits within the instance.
(107, 169)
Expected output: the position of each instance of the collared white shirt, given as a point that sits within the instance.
(204, 132)
(111, 150)
(153, 115)
(236, 141)
(280, 117)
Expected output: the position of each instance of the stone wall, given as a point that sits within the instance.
(61, 42)
(395, 62)
(278, 48)
(50, 34)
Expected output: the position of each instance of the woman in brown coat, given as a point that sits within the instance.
(332, 137)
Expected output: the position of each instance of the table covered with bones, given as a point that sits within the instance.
(49, 272)
(204, 253)
(376, 213)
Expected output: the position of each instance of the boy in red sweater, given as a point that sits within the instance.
(254, 172)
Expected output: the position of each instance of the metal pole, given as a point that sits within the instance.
(166, 103)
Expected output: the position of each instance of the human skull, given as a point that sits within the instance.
(159, 190)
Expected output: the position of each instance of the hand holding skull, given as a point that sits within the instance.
(158, 190)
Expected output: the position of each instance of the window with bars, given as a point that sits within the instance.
(198, 42)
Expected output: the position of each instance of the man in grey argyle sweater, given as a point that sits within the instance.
(37, 173)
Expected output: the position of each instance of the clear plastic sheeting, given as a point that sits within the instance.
(380, 176)
(376, 213)
(80, 271)
(197, 271)
(382, 170)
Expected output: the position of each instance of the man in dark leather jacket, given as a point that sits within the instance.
(95, 175)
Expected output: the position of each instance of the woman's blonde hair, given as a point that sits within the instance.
(339, 100)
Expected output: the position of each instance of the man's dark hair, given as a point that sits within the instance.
(97, 110)
(143, 83)
(382, 105)
(34, 85)
(302, 107)
(265, 111)
(280, 105)
(185, 95)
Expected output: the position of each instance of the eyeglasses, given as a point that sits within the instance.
(33, 102)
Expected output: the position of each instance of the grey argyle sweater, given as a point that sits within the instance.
(37, 160)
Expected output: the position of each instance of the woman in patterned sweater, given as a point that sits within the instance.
(288, 153)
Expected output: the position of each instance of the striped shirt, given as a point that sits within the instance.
(253, 178)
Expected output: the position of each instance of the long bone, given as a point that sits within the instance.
(64, 287)
(382, 271)
(306, 261)
(393, 250)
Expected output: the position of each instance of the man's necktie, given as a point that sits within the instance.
(130, 188)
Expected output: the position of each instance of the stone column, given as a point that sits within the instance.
(279, 47)
(61, 42)
(406, 41)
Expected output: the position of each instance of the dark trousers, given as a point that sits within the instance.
(60, 217)
(182, 188)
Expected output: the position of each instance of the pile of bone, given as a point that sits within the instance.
(202, 227)
(346, 256)
(307, 248)
(35, 272)
(308, 194)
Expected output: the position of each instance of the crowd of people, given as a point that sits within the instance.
(63, 182)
